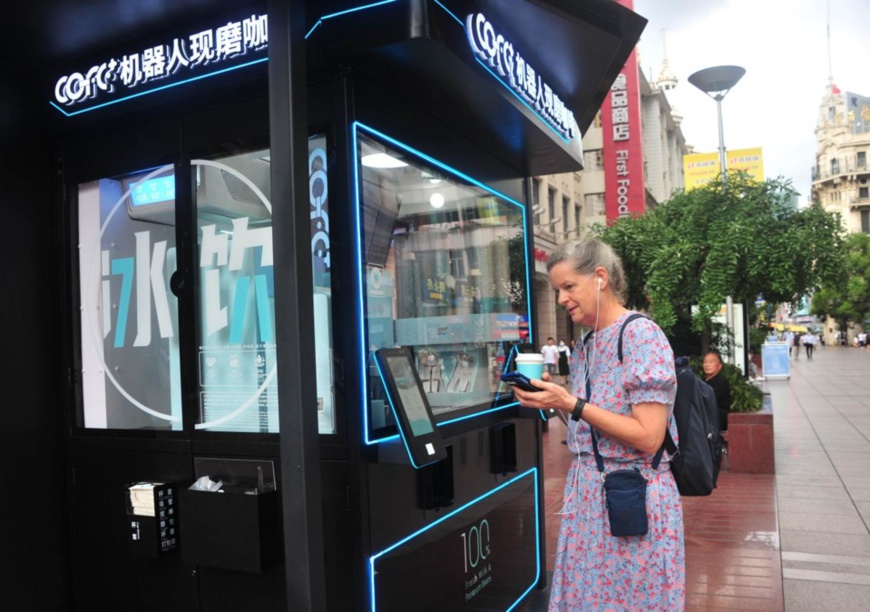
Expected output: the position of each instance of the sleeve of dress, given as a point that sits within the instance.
(648, 364)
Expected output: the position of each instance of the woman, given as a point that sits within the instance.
(564, 369)
(628, 407)
(715, 377)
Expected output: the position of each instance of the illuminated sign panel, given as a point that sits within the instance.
(234, 44)
(153, 191)
(623, 142)
(491, 48)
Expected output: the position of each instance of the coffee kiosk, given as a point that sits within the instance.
(256, 201)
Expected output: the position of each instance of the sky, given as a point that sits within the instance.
(783, 46)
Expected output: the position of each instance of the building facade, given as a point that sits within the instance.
(841, 175)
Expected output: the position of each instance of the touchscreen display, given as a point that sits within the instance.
(410, 396)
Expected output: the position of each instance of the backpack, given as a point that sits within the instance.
(696, 460)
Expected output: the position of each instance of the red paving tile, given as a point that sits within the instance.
(732, 536)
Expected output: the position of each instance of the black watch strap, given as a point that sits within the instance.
(578, 409)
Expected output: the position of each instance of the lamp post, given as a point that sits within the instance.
(716, 82)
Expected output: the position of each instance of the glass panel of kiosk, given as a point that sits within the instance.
(131, 367)
(236, 341)
(444, 272)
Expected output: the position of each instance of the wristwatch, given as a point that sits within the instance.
(578, 409)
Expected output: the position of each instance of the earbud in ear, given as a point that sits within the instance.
(599, 282)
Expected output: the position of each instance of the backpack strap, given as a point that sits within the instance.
(668, 441)
(628, 319)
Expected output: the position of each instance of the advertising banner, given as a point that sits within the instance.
(701, 168)
(623, 142)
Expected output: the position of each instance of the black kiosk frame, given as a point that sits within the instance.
(431, 81)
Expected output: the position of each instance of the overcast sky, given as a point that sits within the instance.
(783, 46)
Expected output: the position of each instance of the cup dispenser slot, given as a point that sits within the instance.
(435, 483)
(503, 448)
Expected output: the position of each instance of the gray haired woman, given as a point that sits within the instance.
(627, 404)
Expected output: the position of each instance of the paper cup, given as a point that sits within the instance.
(531, 365)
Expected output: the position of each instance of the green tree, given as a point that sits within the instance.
(846, 299)
(739, 238)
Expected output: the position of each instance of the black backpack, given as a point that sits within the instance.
(695, 462)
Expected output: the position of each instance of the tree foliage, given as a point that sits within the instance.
(846, 299)
(737, 237)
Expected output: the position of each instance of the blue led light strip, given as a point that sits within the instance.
(161, 88)
(340, 13)
(531, 472)
(363, 351)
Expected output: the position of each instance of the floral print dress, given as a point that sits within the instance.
(595, 570)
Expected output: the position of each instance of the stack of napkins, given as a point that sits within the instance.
(142, 498)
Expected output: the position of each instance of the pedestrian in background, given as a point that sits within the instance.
(627, 404)
(796, 345)
(715, 377)
(564, 353)
(551, 357)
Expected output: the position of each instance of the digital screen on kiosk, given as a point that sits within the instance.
(444, 272)
(409, 394)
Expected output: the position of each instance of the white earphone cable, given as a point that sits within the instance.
(587, 367)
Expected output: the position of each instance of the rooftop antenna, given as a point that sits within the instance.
(830, 68)
(831, 85)
(667, 79)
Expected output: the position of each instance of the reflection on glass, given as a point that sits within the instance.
(237, 350)
(444, 273)
(129, 320)
(129, 317)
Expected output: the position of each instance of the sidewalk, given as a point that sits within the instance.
(795, 541)
(822, 438)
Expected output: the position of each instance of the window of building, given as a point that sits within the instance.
(862, 159)
(595, 203)
(835, 166)
(536, 191)
(566, 206)
(865, 221)
(551, 204)
(592, 160)
(863, 193)
(577, 211)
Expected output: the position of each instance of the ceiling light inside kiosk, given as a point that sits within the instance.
(382, 160)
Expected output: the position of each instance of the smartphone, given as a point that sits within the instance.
(515, 379)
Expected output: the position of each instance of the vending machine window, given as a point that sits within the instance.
(442, 258)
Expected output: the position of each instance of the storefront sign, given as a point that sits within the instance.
(232, 45)
(623, 142)
(509, 66)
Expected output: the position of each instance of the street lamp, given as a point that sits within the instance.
(716, 82)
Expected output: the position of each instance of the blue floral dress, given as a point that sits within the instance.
(595, 570)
